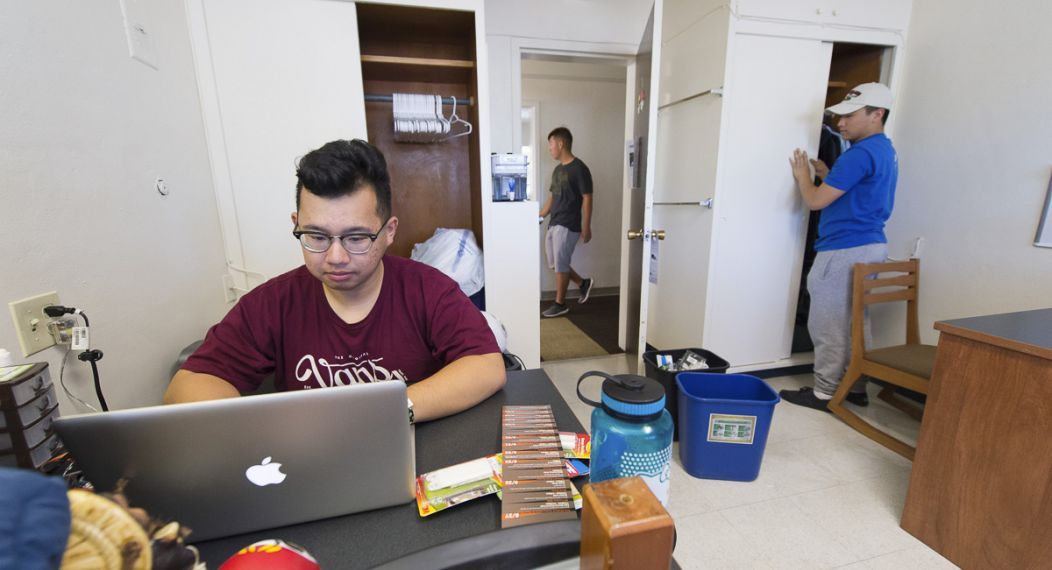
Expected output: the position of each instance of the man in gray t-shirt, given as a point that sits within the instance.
(570, 204)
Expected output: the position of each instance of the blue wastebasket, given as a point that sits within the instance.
(723, 424)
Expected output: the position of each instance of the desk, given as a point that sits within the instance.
(367, 539)
(981, 489)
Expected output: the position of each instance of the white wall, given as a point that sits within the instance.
(972, 130)
(85, 130)
(588, 99)
(569, 20)
(582, 26)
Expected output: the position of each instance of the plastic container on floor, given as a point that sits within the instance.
(724, 420)
(667, 379)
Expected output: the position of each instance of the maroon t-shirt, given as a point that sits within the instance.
(421, 322)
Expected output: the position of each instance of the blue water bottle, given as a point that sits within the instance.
(631, 431)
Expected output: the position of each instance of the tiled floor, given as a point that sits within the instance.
(826, 497)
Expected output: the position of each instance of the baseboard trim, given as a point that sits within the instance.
(572, 294)
(799, 363)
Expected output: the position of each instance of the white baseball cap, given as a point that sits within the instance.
(865, 95)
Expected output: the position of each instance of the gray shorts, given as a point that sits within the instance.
(559, 243)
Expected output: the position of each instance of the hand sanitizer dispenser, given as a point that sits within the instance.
(509, 177)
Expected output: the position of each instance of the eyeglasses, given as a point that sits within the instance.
(355, 243)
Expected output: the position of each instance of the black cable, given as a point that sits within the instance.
(98, 386)
(91, 357)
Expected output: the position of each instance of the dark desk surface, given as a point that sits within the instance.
(1027, 331)
(367, 539)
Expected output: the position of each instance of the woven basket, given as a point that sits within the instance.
(103, 536)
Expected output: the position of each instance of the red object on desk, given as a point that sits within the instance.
(271, 555)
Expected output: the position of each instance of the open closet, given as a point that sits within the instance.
(738, 88)
(280, 78)
(435, 179)
(851, 65)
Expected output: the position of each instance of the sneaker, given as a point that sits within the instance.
(805, 397)
(556, 310)
(586, 288)
(860, 399)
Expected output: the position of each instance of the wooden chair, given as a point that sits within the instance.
(908, 365)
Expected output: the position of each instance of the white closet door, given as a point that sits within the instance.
(686, 149)
(284, 77)
(773, 104)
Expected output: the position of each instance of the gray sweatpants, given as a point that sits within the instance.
(829, 320)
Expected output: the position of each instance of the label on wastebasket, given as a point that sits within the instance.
(726, 428)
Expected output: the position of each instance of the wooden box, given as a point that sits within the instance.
(624, 526)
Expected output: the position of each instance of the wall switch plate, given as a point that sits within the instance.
(31, 322)
(140, 41)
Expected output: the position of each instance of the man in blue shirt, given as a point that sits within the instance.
(856, 199)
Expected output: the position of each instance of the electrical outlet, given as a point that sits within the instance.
(917, 245)
(31, 322)
(229, 291)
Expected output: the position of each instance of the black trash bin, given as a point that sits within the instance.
(716, 364)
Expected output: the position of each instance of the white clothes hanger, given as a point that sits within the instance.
(419, 118)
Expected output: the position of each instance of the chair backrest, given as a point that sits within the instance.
(870, 286)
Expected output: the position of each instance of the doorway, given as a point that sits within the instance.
(585, 94)
(852, 64)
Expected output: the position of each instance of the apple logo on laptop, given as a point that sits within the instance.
(266, 473)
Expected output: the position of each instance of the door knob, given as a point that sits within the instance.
(707, 202)
(646, 235)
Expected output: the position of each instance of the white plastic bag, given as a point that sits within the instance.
(455, 253)
(499, 332)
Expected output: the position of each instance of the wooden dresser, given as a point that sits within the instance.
(981, 489)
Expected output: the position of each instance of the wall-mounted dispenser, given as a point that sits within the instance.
(509, 177)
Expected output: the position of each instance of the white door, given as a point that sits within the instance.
(727, 272)
(774, 102)
(637, 113)
(683, 122)
(277, 79)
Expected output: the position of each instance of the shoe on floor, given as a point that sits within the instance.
(586, 288)
(556, 310)
(805, 397)
(860, 399)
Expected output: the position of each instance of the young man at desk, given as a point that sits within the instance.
(350, 314)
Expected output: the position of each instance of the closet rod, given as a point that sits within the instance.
(445, 100)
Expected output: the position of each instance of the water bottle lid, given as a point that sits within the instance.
(627, 394)
(633, 395)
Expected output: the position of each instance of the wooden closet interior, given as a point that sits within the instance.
(424, 51)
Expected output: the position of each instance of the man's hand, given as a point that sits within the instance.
(801, 166)
(586, 235)
(821, 170)
(819, 197)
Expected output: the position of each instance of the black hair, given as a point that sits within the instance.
(563, 134)
(343, 167)
(884, 119)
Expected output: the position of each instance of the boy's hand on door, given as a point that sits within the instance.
(800, 165)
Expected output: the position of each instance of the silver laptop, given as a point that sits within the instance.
(231, 466)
